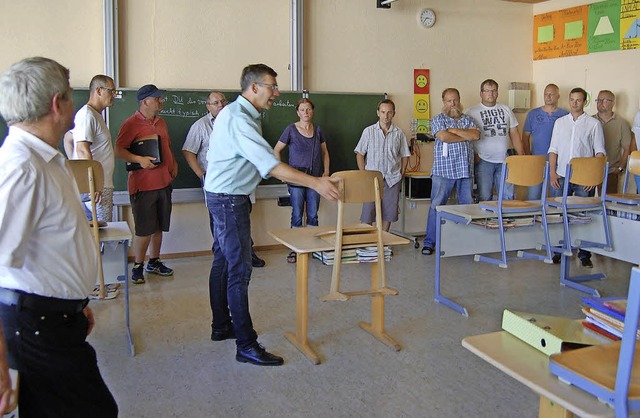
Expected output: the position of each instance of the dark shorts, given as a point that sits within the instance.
(390, 199)
(151, 211)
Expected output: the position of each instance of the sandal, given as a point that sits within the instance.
(292, 257)
(427, 250)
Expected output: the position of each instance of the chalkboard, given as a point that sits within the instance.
(342, 117)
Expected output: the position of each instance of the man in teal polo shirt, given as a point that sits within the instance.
(238, 158)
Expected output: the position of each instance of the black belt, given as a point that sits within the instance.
(41, 303)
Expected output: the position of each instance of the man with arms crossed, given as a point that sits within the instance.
(48, 260)
(452, 160)
(497, 125)
(196, 146)
(539, 123)
(574, 135)
(617, 138)
(150, 186)
(238, 158)
(92, 139)
(383, 147)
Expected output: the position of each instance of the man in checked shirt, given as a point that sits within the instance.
(452, 160)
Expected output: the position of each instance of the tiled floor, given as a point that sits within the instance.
(179, 372)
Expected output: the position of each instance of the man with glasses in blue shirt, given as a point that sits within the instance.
(238, 158)
(196, 146)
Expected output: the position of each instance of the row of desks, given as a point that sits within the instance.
(457, 236)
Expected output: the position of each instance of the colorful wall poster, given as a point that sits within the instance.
(562, 33)
(604, 26)
(421, 106)
(421, 81)
(629, 24)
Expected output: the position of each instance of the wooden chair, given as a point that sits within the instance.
(519, 170)
(633, 167)
(89, 179)
(357, 186)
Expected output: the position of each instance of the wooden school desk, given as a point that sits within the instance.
(304, 242)
(456, 236)
(531, 367)
(118, 233)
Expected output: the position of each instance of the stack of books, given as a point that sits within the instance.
(606, 316)
(370, 254)
(354, 255)
(328, 257)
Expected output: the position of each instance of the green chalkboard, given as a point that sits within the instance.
(80, 97)
(342, 117)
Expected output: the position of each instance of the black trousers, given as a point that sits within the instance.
(59, 375)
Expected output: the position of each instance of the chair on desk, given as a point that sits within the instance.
(633, 167)
(519, 170)
(89, 178)
(357, 186)
(585, 172)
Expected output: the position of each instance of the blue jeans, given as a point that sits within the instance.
(441, 189)
(300, 196)
(231, 268)
(574, 190)
(535, 192)
(488, 176)
(637, 179)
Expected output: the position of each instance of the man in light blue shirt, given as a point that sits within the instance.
(539, 123)
(238, 158)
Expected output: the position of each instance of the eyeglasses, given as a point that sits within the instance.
(603, 100)
(113, 92)
(218, 102)
(490, 91)
(273, 87)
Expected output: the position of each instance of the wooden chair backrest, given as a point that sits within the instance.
(525, 170)
(359, 186)
(588, 171)
(79, 170)
(634, 163)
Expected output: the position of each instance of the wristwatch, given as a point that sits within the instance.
(620, 169)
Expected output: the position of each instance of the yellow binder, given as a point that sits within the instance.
(549, 334)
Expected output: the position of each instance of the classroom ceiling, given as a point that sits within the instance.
(526, 1)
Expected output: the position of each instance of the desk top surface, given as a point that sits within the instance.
(531, 367)
(304, 240)
(115, 231)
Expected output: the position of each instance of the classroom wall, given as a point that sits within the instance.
(68, 31)
(611, 70)
(350, 46)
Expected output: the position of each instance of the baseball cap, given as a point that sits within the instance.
(149, 90)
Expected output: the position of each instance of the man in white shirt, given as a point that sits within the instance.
(92, 139)
(574, 135)
(497, 125)
(48, 259)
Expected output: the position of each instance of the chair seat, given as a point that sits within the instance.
(626, 198)
(511, 205)
(576, 202)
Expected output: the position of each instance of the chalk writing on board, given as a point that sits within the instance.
(181, 113)
(283, 103)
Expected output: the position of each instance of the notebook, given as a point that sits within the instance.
(148, 146)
